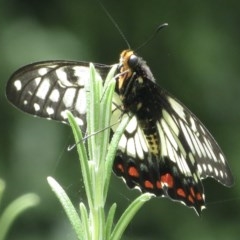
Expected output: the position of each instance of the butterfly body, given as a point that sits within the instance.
(164, 149)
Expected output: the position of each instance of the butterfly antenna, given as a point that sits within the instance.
(160, 27)
(71, 147)
(114, 23)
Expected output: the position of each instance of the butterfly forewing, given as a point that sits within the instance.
(48, 89)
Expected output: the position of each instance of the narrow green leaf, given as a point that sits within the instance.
(93, 110)
(68, 207)
(14, 209)
(85, 221)
(112, 152)
(83, 158)
(109, 221)
(128, 215)
(106, 109)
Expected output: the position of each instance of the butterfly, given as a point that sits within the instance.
(164, 150)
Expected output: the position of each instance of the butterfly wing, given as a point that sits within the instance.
(172, 161)
(47, 89)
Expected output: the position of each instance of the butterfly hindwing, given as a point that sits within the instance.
(166, 174)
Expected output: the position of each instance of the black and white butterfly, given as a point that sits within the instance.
(165, 149)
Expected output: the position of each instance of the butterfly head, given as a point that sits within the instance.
(132, 67)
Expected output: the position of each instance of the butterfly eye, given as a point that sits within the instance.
(133, 61)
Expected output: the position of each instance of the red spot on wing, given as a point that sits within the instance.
(190, 198)
(120, 168)
(148, 184)
(167, 179)
(181, 193)
(133, 172)
(199, 197)
(159, 185)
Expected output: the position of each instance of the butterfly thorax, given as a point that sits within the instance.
(137, 88)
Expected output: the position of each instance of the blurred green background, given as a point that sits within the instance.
(196, 58)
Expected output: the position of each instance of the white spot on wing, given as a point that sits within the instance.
(186, 169)
(131, 148)
(170, 151)
(81, 103)
(190, 155)
(82, 73)
(200, 145)
(193, 124)
(210, 168)
(199, 169)
(50, 110)
(169, 120)
(169, 134)
(162, 141)
(62, 76)
(64, 114)
(204, 167)
(55, 95)
(122, 143)
(42, 71)
(138, 147)
(142, 140)
(206, 150)
(132, 125)
(187, 137)
(210, 151)
(36, 107)
(43, 89)
(18, 85)
(222, 158)
(194, 141)
(68, 97)
(177, 108)
(37, 80)
(79, 121)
